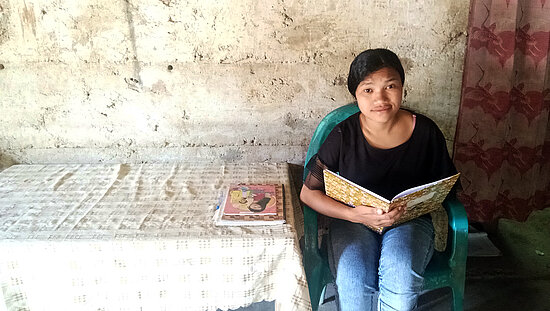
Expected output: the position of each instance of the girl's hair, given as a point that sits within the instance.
(370, 61)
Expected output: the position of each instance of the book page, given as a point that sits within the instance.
(418, 188)
(425, 199)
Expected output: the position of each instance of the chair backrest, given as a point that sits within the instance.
(325, 127)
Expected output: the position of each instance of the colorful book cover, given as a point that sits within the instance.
(252, 205)
(417, 200)
(251, 199)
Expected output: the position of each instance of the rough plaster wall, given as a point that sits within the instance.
(240, 80)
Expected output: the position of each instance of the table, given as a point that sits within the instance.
(141, 237)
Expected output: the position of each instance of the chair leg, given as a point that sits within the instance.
(458, 297)
(315, 297)
(316, 288)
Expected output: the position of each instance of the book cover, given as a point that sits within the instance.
(418, 200)
(251, 199)
(251, 205)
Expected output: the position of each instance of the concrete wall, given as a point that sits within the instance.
(240, 80)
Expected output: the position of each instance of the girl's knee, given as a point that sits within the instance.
(400, 292)
(396, 302)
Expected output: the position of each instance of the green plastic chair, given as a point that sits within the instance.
(446, 269)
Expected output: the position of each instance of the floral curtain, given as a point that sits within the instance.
(502, 143)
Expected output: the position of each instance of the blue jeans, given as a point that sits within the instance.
(384, 270)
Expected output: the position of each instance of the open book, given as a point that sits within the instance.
(417, 201)
(251, 205)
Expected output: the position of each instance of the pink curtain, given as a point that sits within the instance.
(502, 143)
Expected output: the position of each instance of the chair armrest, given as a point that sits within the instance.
(457, 243)
(315, 265)
(311, 242)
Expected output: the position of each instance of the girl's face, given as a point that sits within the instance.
(379, 95)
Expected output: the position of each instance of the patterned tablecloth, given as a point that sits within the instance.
(141, 237)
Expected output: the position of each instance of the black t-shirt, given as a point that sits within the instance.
(423, 158)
